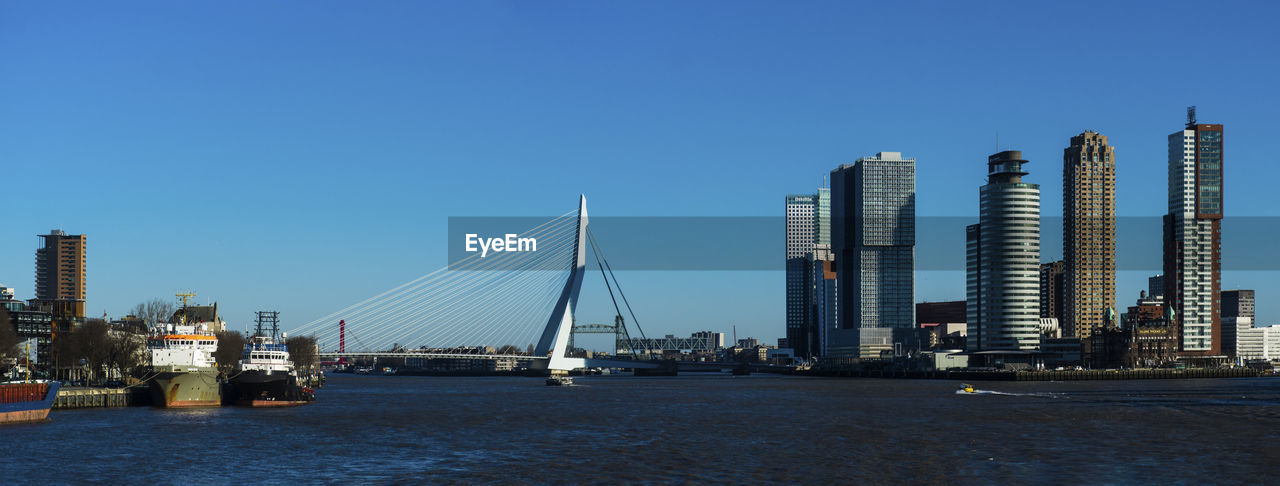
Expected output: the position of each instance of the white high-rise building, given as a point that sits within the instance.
(1192, 237)
(800, 241)
(1003, 261)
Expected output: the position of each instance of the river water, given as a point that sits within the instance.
(694, 428)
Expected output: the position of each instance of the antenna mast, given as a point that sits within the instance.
(185, 296)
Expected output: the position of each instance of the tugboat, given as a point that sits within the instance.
(267, 377)
(186, 374)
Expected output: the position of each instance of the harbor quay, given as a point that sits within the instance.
(87, 397)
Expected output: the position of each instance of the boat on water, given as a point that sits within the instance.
(267, 377)
(185, 372)
(559, 380)
(966, 388)
(22, 402)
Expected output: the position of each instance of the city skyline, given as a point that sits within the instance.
(187, 172)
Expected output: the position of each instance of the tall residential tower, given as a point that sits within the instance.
(60, 272)
(1088, 233)
(1193, 237)
(1003, 261)
(873, 236)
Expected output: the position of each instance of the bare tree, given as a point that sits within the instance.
(230, 347)
(302, 351)
(155, 311)
(94, 337)
(8, 339)
(124, 349)
(66, 351)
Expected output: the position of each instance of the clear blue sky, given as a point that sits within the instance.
(304, 155)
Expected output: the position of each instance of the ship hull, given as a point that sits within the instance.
(259, 389)
(26, 402)
(187, 389)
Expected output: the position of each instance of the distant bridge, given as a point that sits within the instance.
(487, 300)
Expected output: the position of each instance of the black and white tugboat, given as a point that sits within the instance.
(267, 377)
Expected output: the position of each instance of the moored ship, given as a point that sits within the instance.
(26, 402)
(267, 377)
(186, 373)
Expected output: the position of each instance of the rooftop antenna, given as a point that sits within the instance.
(1191, 115)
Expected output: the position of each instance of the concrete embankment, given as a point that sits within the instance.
(1064, 375)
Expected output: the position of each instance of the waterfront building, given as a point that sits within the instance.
(31, 324)
(1193, 238)
(1003, 262)
(1052, 290)
(1260, 343)
(800, 240)
(873, 203)
(1237, 316)
(60, 273)
(1088, 234)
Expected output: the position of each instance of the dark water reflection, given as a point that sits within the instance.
(708, 428)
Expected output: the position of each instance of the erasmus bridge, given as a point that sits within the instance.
(500, 305)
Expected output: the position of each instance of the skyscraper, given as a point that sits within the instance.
(1052, 290)
(823, 313)
(60, 272)
(1088, 233)
(1193, 237)
(873, 235)
(1003, 261)
(800, 209)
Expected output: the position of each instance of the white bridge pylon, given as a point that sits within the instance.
(555, 338)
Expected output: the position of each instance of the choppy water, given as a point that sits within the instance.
(696, 428)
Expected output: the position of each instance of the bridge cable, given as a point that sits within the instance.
(635, 321)
(595, 251)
